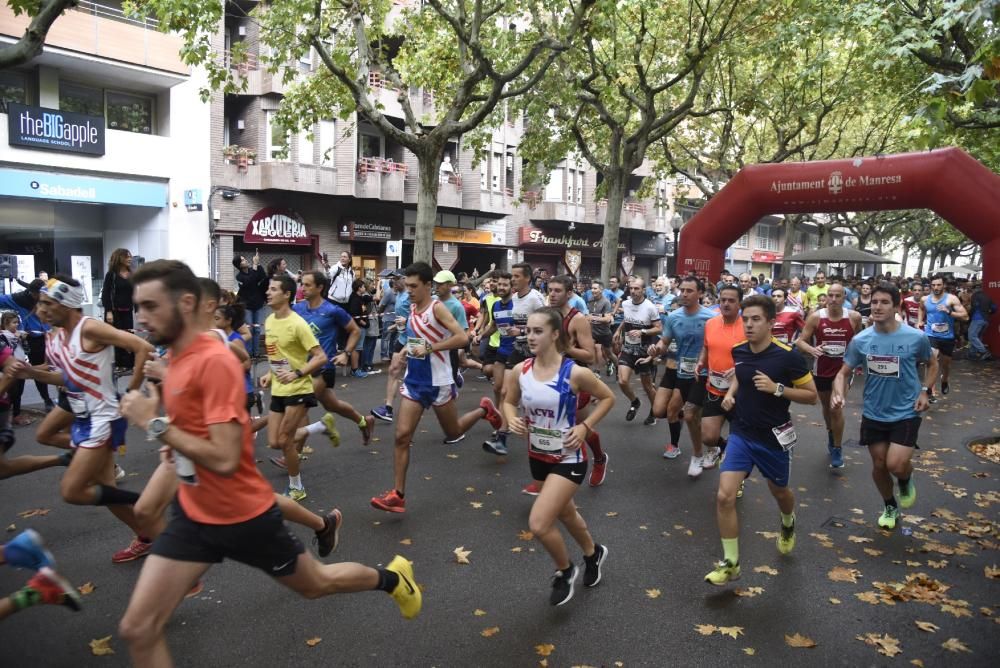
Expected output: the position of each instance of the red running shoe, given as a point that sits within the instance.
(136, 550)
(531, 489)
(599, 471)
(390, 502)
(492, 414)
(54, 590)
(198, 587)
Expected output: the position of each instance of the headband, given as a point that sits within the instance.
(67, 295)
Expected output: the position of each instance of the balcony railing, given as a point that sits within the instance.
(250, 62)
(379, 166)
(115, 14)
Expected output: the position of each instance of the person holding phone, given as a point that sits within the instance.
(251, 280)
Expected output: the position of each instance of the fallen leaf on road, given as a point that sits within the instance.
(873, 552)
(490, 632)
(992, 571)
(955, 645)
(470, 489)
(769, 535)
(476, 504)
(913, 564)
(86, 588)
(917, 662)
(749, 651)
(525, 535)
(937, 564)
(11, 527)
(478, 613)
(765, 569)
(312, 642)
(731, 631)
(885, 643)
(34, 512)
(835, 601)
(517, 549)
(611, 514)
(799, 640)
(749, 592)
(929, 627)
(956, 610)
(985, 612)
(841, 574)
(653, 593)
(703, 629)
(860, 539)
(857, 511)
(870, 597)
(496, 512)
(101, 646)
(451, 456)
(406, 541)
(544, 650)
(462, 555)
(848, 560)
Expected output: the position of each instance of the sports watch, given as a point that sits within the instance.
(779, 389)
(156, 428)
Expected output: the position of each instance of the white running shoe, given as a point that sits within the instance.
(695, 468)
(119, 473)
(710, 458)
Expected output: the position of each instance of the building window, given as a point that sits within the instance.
(767, 238)
(306, 146)
(81, 99)
(369, 146)
(497, 172)
(328, 142)
(484, 168)
(554, 188)
(13, 88)
(744, 241)
(133, 113)
(277, 138)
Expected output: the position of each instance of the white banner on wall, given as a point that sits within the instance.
(81, 272)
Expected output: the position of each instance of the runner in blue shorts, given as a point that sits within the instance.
(889, 353)
(768, 376)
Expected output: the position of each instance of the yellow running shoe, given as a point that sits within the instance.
(725, 571)
(331, 429)
(407, 593)
(908, 496)
(786, 539)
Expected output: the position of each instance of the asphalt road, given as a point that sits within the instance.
(659, 526)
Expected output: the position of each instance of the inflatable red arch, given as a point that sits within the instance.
(947, 181)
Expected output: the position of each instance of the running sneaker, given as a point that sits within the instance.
(887, 520)
(53, 589)
(278, 461)
(610, 369)
(786, 539)
(532, 488)
(383, 413)
(495, 446)
(695, 468)
(739, 492)
(908, 496)
(330, 423)
(452, 441)
(390, 502)
(328, 538)
(633, 409)
(650, 420)
(563, 585)
(137, 549)
(367, 430)
(359, 373)
(407, 593)
(944, 388)
(297, 494)
(598, 473)
(671, 451)
(592, 566)
(119, 473)
(710, 458)
(492, 414)
(725, 571)
(27, 550)
(836, 458)
(198, 587)
(459, 379)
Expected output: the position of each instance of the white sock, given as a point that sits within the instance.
(295, 481)
(316, 428)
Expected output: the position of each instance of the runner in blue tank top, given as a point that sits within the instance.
(938, 313)
(546, 386)
(889, 353)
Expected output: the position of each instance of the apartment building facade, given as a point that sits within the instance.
(103, 145)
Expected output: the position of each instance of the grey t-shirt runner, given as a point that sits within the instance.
(600, 306)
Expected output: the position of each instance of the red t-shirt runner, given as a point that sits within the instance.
(911, 307)
(832, 337)
(787, 324)
(205, 387)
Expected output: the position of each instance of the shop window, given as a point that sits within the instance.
(277, 138)
(81, 99)
(133, 113)
(13, 88)
(306, 146)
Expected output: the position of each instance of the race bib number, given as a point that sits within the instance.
(940, 327)
(416, 347)
(633, 337)
(672, 348)
(185, 469)
(886, 366)
(277, 366)
(545, 440)
(721, 380)
(687, 365)
(786, 436)
(834, 349)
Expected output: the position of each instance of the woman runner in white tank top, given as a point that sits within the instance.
(545, 388)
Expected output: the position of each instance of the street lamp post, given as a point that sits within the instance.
(676, 223)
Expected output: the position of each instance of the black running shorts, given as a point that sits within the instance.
(946, 347)
(669, 380)
(263, 542)
(692, 390)
(903, 432)
(712, 406)
(278, 404)
(576, 472)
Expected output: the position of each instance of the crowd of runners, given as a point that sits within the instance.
(733, 353)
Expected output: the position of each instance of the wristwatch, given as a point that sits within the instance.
(779, 390)
(156, 428)
(925, 389)
(298, 373)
